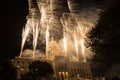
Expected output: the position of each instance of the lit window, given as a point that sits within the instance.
(22, 69)
(17, 66)
(36, 69)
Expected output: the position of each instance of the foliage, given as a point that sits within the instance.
(105, 38)
(38, 70)
(8, 71)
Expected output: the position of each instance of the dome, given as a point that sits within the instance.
(53, 43)
(52, 49)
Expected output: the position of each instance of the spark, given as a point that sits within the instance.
(47, 38)
(42, 14)
(82, 41)
(64, 24)
(35, 36)
(83, 31)
(69, 21)
(25, 33)
(65, 44)
(64, 35)
(68, 2)
(76, 44)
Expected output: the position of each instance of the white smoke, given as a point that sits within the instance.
(62, 17)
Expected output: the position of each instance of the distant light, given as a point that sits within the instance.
(36, 69)
(22, 69)
(17, 66)
(12, 60)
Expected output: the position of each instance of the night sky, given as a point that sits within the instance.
(12, 19)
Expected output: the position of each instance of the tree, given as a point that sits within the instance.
(38, 70)
(8, 71)
(105, 38)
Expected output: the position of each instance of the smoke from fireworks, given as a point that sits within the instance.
(47, 38)
(35, 36)
(25, 34)
(63, 20)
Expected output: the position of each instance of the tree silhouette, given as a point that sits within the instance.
(8, 71)
(38, 70)
(105, 38)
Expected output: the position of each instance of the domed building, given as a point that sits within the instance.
(52, 49)
(64, 67)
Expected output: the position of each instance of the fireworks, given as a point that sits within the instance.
(47, 38)
(52, 18)
(25, 34)
(76, 45)
(35, 36)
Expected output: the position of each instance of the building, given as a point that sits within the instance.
(62, 65)
(71, 69)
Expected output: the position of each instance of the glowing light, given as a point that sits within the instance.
(42, 14)
(66, 74)
(63, 74)
(35, 36)
(83, 49)
(62, 32)
(25, 33)
(64, 35)
(65, 38)
(69, 6)
(65, 44)
(76, 45)
(47, 38)
(83, 31)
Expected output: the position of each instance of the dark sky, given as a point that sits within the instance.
(12, 19)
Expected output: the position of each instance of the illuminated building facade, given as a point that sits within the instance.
(70, 69)
(61, 21)
(62, 65)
